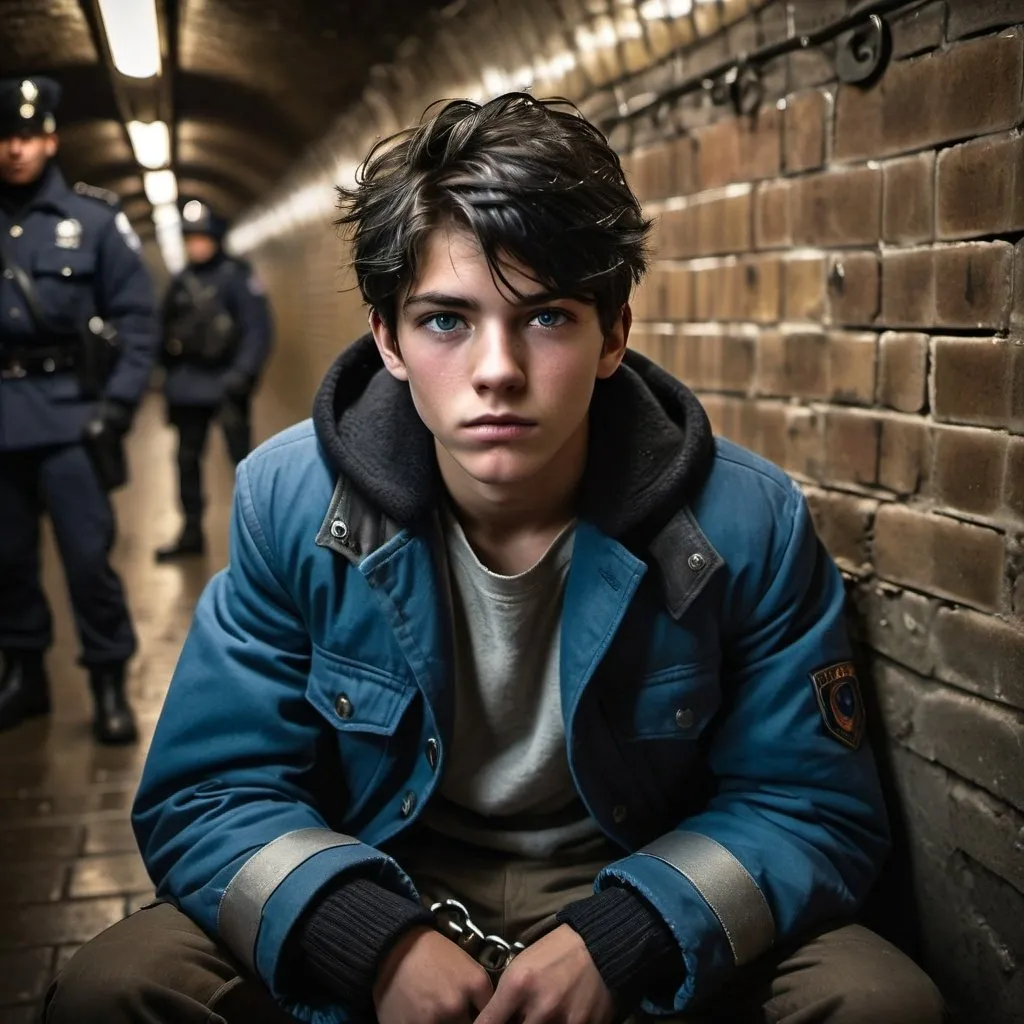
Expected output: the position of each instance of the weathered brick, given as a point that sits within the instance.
(767, 431)
(979, 653)
(728, 361)
(740, 148)
(677, 283)
(981, 187)
(717, 289)
(854, 288)
(844, 524)
(684, 178)
(682, 356)
(908, 206)
(808, 16)
(805, 119)
(971, 380)
(652, 172)
(762, 289)
(723, 224)
(919, 29)
(969, 468)
(897, 623)
(908, 288)
(988, 830)
(903, 371)
(808, 68)
(772, 221)
(969, 16)
(852, 362)
(852, 441)
(838, 207)
(940, 556)
(804, 442)
(1013, 484)
(648, 300)
(904, 463)
(805, 296)
(793, 363)
(971, 89)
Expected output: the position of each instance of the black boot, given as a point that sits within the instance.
(190, 542)
(24, 688)
(114, 721)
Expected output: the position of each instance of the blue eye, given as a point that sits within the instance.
(550, 318)
(443, 323)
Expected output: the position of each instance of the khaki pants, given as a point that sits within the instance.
(157, 967)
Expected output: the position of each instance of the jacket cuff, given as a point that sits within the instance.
(345, 935)
(627, 939)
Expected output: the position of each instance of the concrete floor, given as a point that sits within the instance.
(68, 862)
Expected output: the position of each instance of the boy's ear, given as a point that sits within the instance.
(387, 346)
(614, 347)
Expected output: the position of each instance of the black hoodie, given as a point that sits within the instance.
(650, 446)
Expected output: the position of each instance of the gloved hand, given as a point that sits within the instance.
(103, 441)
(235, 383)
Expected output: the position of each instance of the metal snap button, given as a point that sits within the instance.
(16, 231)
(433, 752)
(49, 365)
(684, 718)
(339, 529)
(65, 271)
(696, 561)
(344, 706)
(9, 274)
(408, 804)
(15, 313)
(619, 813)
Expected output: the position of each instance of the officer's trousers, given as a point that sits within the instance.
(61, 481)
(159, 967)
(193, 425)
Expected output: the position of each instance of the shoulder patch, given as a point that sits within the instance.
(255, 284)
(95, 192)
(840, 702)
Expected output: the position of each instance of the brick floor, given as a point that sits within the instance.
(68, 862)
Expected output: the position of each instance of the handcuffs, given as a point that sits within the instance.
(491, 952)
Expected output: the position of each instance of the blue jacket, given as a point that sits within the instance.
(85, 260)
(712, 725)
(240, 294)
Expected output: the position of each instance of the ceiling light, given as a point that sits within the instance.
(151, 142)
(161, 187)
(166, 214)
(132, 36)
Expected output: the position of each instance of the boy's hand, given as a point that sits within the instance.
(426, 979)
(554, 981)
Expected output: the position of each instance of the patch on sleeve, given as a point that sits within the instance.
(124, 225)
(95, 192)
(840, 702)
(255, 285)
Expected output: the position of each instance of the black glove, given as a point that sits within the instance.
(103, 441)
(235, 383)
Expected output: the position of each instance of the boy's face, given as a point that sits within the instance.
(504, 385)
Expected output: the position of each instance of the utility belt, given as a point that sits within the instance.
(37, 361)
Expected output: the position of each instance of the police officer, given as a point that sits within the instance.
(217, 335)
(78, 336)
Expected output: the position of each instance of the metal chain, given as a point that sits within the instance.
(491, 952)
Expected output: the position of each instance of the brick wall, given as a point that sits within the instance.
(841, 280)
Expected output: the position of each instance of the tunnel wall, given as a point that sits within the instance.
(840, 279)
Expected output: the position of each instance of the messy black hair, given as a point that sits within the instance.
(533, 180)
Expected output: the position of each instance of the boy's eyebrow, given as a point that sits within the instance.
(462, 302)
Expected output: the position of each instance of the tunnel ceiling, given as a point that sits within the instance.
(247, 85)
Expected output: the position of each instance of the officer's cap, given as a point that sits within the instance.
(198, 218)
(28, 105)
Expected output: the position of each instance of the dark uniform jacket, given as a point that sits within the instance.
(84, 258)
(230, 287)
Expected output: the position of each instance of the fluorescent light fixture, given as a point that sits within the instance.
(161, 187)
(169, 237)
(166, 215)
(132, 36)
(151, 142)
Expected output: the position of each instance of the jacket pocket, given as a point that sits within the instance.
(64, 284)
(356, 698)
(675, 703)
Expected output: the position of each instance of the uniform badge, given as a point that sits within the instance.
(255, 285)
(840, 702)
(68, 234)
(124, 225)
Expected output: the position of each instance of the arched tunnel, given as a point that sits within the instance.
(836, 273)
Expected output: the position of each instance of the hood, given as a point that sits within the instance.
(650, 443)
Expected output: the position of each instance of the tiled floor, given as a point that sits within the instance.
(68, 862)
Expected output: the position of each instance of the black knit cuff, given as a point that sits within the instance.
(630, 944)
(345, 935)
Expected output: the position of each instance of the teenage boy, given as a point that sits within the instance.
(505, 623)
